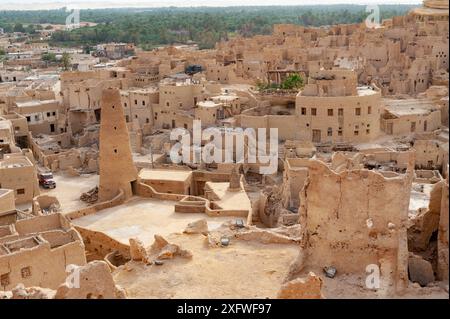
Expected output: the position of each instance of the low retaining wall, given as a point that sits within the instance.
(119, 199)
(101, 243)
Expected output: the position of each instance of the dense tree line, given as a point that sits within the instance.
(205, 25)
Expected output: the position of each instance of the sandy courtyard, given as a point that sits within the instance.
(69, 188)
(212, 272)
(143, 218)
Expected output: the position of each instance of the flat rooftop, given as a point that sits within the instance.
(225, 97)
(208, 104)
(35, 103)
(365, 90)
(143, 218)
(409, 106)
(16, 162)
(141, 90)
(230, 200)
(164, 174)
(5, 124)
(147, 159)
(430, 11)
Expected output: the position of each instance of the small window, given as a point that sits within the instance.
(303, 110)
(340, 133)
(340, 112)
(314, 111)
(330, 131)
(125, 104)
(367, 131)
(28, 118)
(143, 102)
(48, 113)
(20, 191)
(4, 280)
(135, 102)
(330, 112)
(369, 110)
(26, 272)
(358, 111)
(356, 133)
(167, 103)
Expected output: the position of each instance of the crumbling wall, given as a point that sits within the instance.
(294, 177)
(39, 255)
(94, 281)
(356, 218)
(7, 200)
(45, 204)
(442, 265)
(427, 221)
(99, 244)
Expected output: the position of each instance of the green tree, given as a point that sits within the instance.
(30, 29)
(204, 25)
(48, 57)
(87, 49)
(294, 81)
(18, 27)
(66, 60)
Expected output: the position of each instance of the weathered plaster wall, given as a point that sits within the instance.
(356, 218)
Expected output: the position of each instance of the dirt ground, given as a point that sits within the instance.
(143, 218)
(212, 272)
(69, 188)
(350, 287)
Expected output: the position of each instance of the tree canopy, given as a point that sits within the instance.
(294, 81)
(204, 25)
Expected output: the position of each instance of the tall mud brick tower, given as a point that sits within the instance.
(117, 170)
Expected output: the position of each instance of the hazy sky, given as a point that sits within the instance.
(50, 4)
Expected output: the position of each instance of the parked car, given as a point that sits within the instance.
(46, 180)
